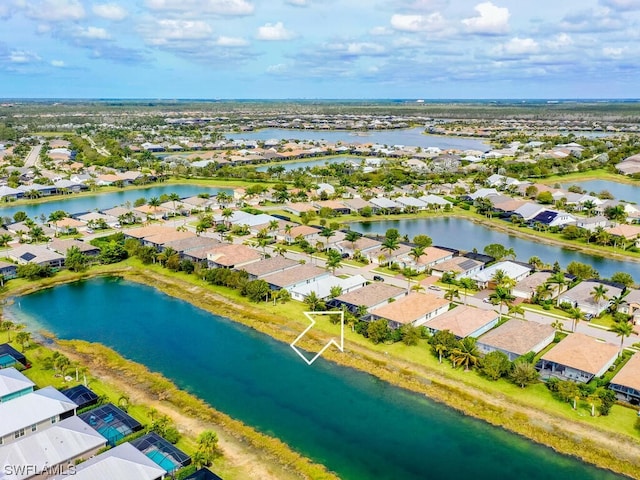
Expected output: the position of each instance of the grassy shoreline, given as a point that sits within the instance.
(587, 439)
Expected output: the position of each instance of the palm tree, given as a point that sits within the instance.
(451, 294)
(227, 213)
(576, 316)
(501, 279)
(223, 199)
(544, 291)
(536, 263)
(334, 260)
(467, 284)
(440, 349)
(516, 310)
(616, 302)
(314, 303)
(7, 326)
(352, 237)
(559, 280)
(501, 296)
(599, 293)
(466, 353)
(390, 245)
(5, 238)
(409, 273)
(416, 253)
(558, 325)
(327, 233)
(154, 202)
(622, 329)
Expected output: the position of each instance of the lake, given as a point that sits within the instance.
(621, 191)
(100, 201)
(312, 163)
(414, 137)
(463, 234)
(352, 422)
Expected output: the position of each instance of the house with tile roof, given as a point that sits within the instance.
(465, 321)
(579, 358)
(413, 309)
(516, 338)
(626, 383)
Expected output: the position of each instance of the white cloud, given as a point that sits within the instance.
(364, 48)
(231, 42)
(274, 31)
(298, 3)
(519, 46)
(110, 11)
(612, 52)
(93, 33)
(54, 10)
(380, 31)
(277, 69)
(23, 56)
(559, 42)
(165, 32)
(203, 7)
(418, 23)
(491, 19)
(58, 63)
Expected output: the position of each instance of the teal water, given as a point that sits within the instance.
(621, 191)
(100, 201)
(355, 424)
(463, 234)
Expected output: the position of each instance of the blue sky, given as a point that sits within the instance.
(427, 49)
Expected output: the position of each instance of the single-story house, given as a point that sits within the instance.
(124, 462)
(9, 356)
(13, 384)
(431, 257)
(8, 270)
(411, 203)
(459, 266)
(631, 304)
(626, 383)
(186, 245)
(435, 201)
(55, 449)
(516, 338)
(322, 286)
(294, 277)
(298, 208)
(310, 234)
(414, 309)
(526, 288)
(382, 204)
(32, 413)
(516, 271)
(336, 206)
(581, 296)
(370, 296)
(464, 321)
(578, 357)
(62, 246)
(362, 244)
(231, 256)
(267, 266)
(552, 218)
(8, 193)
(67, 225)
(356, 204)
(39, 254)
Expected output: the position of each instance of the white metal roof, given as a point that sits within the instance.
(12, 381)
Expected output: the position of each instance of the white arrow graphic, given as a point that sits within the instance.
(329, 343)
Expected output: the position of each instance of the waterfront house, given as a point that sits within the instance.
(385, 205)
(362, 244)
(231, 256)
(459, 266)
(526, 288)
(516, 271)
(435, 202)
(625, 233)
(579, 358)
(631, 305)
(267, 266)
(161, 451)
(294, 277)
(62, 246)
(411, 204)
(581, 296)
(626, 383)
(124, 462)
(80, 395)
(13, 384)
(337, 207)
(8, 270)
(8, 193)
(465, 321)
(9, 357)
(552, 218)
(38, 254)
(369, 297)
(529, 210)
(516, 338)
(432, 256)
(413, 309)
(32, 413)
(152, 213)
(93, 218)
(112, 422)
(305, 232)
(67, 225)
(322, 286)
(356, 204)
(299, 207)
(186, 246)
(55, 449)
(630, 165)
(592, 223)
(168, 235)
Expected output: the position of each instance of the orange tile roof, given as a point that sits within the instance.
(462, 321)
(582, 352)
(410, 308)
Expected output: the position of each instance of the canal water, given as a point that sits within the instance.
(463, 234)
(356, 425)
(621, 191)
(100, 201)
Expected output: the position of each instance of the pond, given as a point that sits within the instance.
(354, 423)
(100, 201)
(621, 191)
(463, 234)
